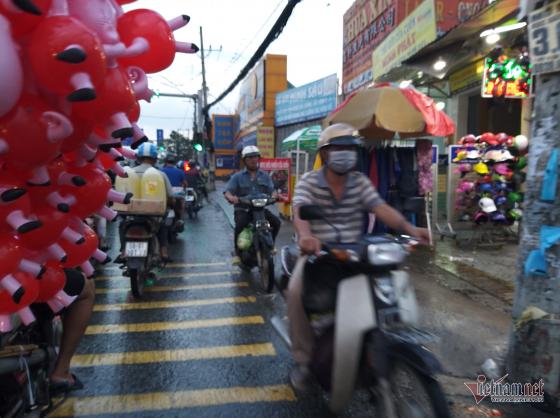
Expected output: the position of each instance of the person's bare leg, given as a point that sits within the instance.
(75, 322)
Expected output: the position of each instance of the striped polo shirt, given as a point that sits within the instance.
(347, 214)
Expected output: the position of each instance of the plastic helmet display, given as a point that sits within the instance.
(500, 200)
(515, 214)
(487, 205)
(515, 197)
(521, 142)
(147, 149)
(498, 217)
(502, 169)
(250, 151)
(339, 134)
(481, 168)
(521, 163)
(467, 140)
(489, 138)
(486, 188)
(480, 217)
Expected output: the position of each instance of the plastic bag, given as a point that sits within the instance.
(245, 238)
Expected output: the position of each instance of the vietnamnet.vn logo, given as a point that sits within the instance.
(501, 391)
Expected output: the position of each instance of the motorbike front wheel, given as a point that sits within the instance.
(413, 394)
(266, 273)
(137, 282)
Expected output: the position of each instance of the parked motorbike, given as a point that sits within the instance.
(257, 241)
(27, 357)
(192, 202)
(363, 310)
(141, 249)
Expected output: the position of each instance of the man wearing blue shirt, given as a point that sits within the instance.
(247, 182)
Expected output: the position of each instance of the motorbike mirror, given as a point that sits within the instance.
(311, 212)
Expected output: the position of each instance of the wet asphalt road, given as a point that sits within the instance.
(201, 343)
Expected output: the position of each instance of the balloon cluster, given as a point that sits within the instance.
(491, 168)
(71, 75)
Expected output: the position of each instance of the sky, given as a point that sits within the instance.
(232, 31)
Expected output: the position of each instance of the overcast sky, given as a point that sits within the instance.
(312, 40)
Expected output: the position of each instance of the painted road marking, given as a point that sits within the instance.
(172, 275)
(169, 326)
(161, 401)
(165, 356)
(174, 288)
(174, 265)
(171, 304)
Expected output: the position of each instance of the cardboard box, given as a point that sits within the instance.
(140, 206)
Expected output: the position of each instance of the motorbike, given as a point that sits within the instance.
(141, 249)
(173, 220)
(192, 202)
(363, 311)
(27, 357)
(259, 246)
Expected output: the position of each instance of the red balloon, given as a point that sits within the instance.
(121, 2)
(134, 113)
(23, 21)
(31, 287)
(80, 253)
(15, 206)
(154, 28)
(92, 196)
(54, 223)
(10, 255)
(33, 133)
(67, 58)
(52, 281)
(82, 131)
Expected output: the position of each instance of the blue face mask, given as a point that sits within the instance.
(342, 162)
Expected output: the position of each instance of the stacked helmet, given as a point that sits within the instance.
(339, 134)
(487, 205)
(250, 151)
(147, 149)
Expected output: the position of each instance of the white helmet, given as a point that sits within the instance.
(487, 205)
(250, 151)
(339, 134)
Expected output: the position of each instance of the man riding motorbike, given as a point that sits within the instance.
(346, 195)
(196, 180)
(147, 157)
(249, 181)
(178, 181)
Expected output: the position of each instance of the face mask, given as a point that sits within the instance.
(342, 162)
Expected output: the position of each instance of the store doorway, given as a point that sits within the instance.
(493, 115)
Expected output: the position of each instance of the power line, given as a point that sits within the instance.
(272, 35)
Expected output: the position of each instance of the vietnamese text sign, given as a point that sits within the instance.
(251, 101)
(311, 101)
(279, 171)
(366, 24)
(415, 32)
(544, 39)
(226, 162)
(223, 129)
(466, 77)
(265, 141)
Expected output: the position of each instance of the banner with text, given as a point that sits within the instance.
(265, 141)
(279, 171)
(223, 129)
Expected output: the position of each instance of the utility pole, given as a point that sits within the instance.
(534, 346)
(210, 155)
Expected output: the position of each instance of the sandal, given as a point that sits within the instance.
(65, 386)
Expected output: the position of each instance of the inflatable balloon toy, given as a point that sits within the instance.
(10, 259)
(43, 130)
(151, 26)
(24, 15)
(79, 255)
(8, 306)
(15, 208)
(51, 288)
(139, 81)
(11, 72)
(66, 57)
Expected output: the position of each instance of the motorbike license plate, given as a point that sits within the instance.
(189, 198)
(136, 249)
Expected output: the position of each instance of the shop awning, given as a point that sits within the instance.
(462, 43)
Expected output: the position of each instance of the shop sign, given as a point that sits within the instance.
(265, 141)
(544, 39)
(225, 162)
(311, 101)
(415, 32)
(450, 13)
(366, 24)
(251, 97)
(279, 171)
(506, 77)
(223, 129)
(466, 77)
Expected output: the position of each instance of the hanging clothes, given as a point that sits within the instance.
(425, 176)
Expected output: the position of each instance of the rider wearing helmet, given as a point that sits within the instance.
(147, 157)
(178, 182)
(249, 181)
(346, 195)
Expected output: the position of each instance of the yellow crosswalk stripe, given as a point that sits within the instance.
(171, 304)
(172, 275)
(161, 401)
(175, 265)
(174, 288)
(170, 326)
(165, 356)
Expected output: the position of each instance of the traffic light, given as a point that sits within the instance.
(155, 93)
(186, 166)
(198, 147)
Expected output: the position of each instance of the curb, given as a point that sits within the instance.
(225, 207)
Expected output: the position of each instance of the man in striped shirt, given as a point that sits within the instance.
(345, 196)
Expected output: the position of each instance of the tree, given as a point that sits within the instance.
(179, 145)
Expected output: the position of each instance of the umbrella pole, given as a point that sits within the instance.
(297, 160)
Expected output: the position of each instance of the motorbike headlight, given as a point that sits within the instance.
(386, 254)
(259, 203)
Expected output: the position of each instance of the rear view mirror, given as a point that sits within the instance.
(311, 212)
